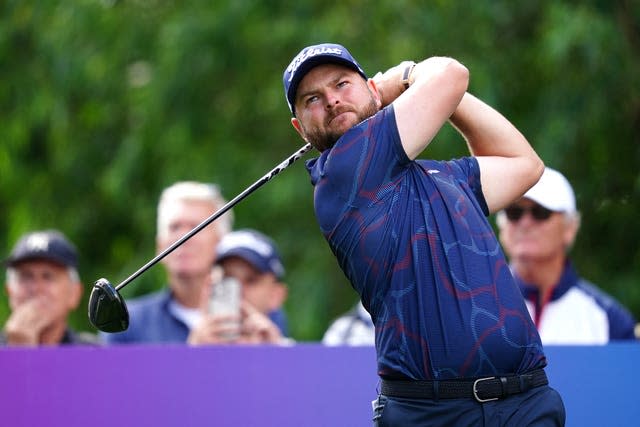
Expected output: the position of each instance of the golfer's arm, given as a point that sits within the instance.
(436, 87)
(508, 164)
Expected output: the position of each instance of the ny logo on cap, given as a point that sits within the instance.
(38, 242)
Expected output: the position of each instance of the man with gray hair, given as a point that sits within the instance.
(537, 232)
(44, 288)
(170, 314)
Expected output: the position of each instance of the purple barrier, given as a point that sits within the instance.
(303, 385)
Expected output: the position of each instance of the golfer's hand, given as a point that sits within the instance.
(389, 83)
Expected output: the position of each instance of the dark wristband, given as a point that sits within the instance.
(407, 74)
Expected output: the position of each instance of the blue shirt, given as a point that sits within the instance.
(577, 312)
(413, 239)
(150, 321)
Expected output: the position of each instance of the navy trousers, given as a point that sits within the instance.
(540, 406)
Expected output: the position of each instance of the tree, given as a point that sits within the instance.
(105, 103)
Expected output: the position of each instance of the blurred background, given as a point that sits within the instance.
(104, 103)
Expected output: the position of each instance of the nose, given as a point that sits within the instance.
(33, 287)
(331, 100)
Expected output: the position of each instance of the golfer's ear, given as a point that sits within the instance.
(297, 127)
(376, 93)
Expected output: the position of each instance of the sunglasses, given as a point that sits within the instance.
(539, 213)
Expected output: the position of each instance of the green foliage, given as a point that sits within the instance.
(104, 103)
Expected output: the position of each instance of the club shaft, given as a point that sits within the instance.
(266, 178)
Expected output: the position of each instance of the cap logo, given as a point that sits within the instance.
(303, 56)
(38, 242)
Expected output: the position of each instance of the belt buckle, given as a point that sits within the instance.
(475, 390)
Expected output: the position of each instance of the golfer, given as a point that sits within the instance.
(455, 343)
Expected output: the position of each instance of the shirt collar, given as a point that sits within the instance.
(568, 279)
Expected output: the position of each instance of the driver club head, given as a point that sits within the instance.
(107, 310)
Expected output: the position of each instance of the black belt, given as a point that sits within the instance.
(481, 389)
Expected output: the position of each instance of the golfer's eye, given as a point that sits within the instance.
(311, 99)
(342, 83)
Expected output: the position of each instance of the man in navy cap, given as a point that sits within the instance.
(44, 288)
(454, 341)
(252, 260)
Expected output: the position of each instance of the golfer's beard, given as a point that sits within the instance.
(324, 139)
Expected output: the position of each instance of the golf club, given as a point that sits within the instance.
(107, 309)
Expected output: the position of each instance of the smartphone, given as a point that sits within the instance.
(225, 300)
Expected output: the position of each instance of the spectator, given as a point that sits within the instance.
(352, 328)
(537, 233)
(169, 315)
(44, 287)
(252, 259)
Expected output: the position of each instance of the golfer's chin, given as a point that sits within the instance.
(343, 122)
(323, 139)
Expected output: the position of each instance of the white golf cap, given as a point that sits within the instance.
(553, 191)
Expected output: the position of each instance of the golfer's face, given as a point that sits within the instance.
(330, 100)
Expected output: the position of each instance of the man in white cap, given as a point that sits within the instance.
(537, 233)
